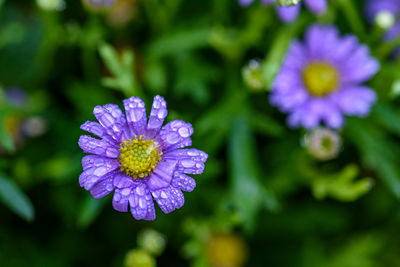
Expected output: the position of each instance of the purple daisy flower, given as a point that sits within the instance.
(290, 13)
(320, 79)
(139, 160)
(392, 7)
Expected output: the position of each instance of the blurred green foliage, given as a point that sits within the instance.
(259, 182)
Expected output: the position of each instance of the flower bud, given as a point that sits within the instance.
(139, 258)
(323, 144)
(151, 241)
(226, 250)
(252, 75)
(288, 2)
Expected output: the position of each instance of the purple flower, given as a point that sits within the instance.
(320, 79)
(99, 4)
(375, 7)
(290, 13)
(16, 97)
(138, 159)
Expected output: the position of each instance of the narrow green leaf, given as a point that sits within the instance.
(353, 16)
(388, 116)
(15, 199)
(248, 193)
(110, 57)
(377, 152)
(179, 42)
(90, 210)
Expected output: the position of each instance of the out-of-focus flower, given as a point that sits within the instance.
(323, 144)
(252, 75)
(16, 97)
(151, 241)
(34, 126)
(226, 250)
(51, 5)
(139, 258)
(122, 12)
(289, 13)
(320, 79)
(139, 160)
(385, 13)
(98, 5)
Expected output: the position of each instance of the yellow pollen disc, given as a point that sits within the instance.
(139, 157)
(320, 78)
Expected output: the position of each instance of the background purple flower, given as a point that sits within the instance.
(320, 79)
(131, 145)
(289, 13)
(99, 4)
(374, 7)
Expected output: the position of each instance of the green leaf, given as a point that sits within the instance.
(353, 16)
(378, 153)
(388, 117)
(179, 41)
(15, 199)
(248, 193)
(90, 210)
(122, 70)
(342, 186)
(265, 124)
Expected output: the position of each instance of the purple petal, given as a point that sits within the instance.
(245, 2)
(98, 147)
(355, 101)
(320, 41)
(343, 49)
(296, 57)
(141, 202)
(90, 161)
(92, 175)
(176, 134)
(112, 119)
(157, 116)
(288, 14)
(104, 187)
(120, 200)
(316, 6)
(98, 130)
(314, 112)
(124, 181)
(359, 67)
(162, 175)
(183, 182)
(136, 115)
(289, 102)
(190, 161)
(169, 199)
(267, 2)
(393, 33)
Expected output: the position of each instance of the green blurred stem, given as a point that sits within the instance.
(353, 17)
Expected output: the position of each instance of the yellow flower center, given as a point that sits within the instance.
(320, 78)
(139, 157)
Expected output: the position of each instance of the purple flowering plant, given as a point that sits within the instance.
(321, 79)
(298, 118)
(139, 159)
(289, 14)
(391, 8)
